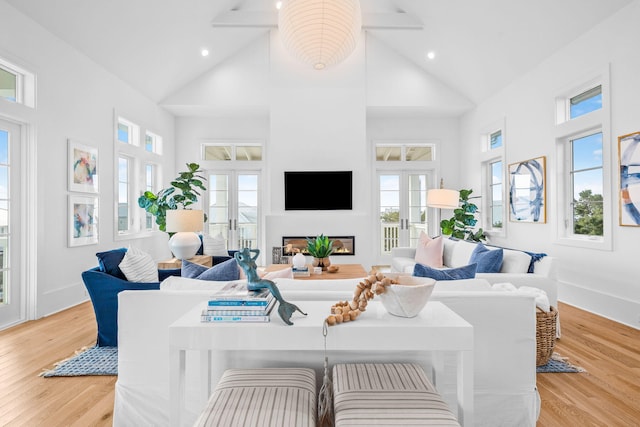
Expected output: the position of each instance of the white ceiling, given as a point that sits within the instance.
(481, 45)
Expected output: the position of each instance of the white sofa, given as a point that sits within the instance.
(504, 358)
(514, 270)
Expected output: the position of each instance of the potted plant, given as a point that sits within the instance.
(188, 183)
(320, 248)
(461, 225)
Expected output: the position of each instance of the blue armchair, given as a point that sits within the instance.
(103, 289)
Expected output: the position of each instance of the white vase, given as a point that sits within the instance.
(299, 261)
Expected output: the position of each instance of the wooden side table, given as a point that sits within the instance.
(205, 260)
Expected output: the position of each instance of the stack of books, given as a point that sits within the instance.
(301, 272)
(235, 303)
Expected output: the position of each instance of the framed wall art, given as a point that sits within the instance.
(83, 220)
(527, 199)
(629, 162)
(83, 168)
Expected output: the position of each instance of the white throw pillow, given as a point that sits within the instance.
(138, 266)
(214, 245)
(461, 254)
(515, 261)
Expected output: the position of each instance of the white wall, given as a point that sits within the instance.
(312, 120)
(76, 99)
(602, 281)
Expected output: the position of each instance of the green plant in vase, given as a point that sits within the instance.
(320, 248)
(187, 182)
(461, 225)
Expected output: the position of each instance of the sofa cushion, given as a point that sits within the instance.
(138, 266)
(447, 252)
(461, 253)
(109, 262)
(514, 261)
(489, 261)
(466, 272)
(429, 251)
(225, 271)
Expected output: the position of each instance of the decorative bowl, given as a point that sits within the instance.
(333, 268)
(408, 297)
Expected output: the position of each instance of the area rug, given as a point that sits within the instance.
(559, 364)
(91, 361)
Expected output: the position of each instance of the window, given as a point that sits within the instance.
(123, 194)
(127, 132)
(8, 85)
(17, 84)
(138, 170)
(585, 102)
(586, 185)
(495, 140)
(250, 152)
(492, 147)
(496, 191)
(149, 185)
(152, 143)
(404, 152)
(584, 165)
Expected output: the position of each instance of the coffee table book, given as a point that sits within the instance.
(231, 314)
(236, 294)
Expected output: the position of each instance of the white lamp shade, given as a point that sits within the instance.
(184, 220)
(443, 199)
(320, 32)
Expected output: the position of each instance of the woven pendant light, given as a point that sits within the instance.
(320, 32)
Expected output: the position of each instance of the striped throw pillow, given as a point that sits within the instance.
(138, 266)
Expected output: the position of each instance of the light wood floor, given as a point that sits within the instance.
(607, 395)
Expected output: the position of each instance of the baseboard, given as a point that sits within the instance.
(609, 306)
(60, 299)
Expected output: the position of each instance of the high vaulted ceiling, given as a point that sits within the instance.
(481, 45)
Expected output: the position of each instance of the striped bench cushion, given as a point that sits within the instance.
(390, 394)
(262, 397)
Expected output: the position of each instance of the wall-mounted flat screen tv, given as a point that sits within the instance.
(318, 190)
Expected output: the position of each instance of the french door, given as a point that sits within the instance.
(402, 201)
(12, 296)
(234, 208)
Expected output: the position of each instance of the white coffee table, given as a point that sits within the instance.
(436, 328)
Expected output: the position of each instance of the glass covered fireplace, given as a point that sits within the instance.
(342, 245)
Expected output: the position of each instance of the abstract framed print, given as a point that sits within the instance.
(629, 162)
(83, 168)
(83, 220)
(527, 192)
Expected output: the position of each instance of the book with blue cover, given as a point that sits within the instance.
(239, 310)
(236, 294)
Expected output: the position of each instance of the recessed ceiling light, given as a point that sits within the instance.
(204, 52)
(278, 5)
(431, 54)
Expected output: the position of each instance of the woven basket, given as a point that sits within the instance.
(545, 334)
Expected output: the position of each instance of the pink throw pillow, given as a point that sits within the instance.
(429, 251)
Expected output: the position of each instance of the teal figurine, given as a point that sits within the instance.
(254, 282)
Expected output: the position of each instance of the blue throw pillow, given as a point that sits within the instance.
(224, 271)
(466, 272)
(110, 260)
(191, 269)
(489, 261)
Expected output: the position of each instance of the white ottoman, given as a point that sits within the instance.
(387, 394)
(275, 397)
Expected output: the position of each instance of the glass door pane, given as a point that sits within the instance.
(389, 196)
(247, 211)
(218, 217)
(417, 207)
(10, 241)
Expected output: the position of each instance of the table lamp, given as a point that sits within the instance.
(184, 223)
